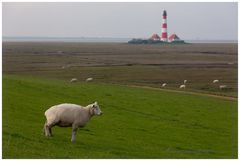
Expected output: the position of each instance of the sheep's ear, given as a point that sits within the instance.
(95, 103)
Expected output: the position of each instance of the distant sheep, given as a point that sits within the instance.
(185, 81)
(89, 79)
(69, 115)
(215, 81)
(164, 84)
(65, 66)
(73, 80)
(222, 86)
(182, 86)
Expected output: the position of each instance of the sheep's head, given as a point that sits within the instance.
(96, 109)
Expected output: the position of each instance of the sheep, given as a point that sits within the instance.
(182, 86)
(89, 79)
(164, 84)
(59, 52)
(69, 115)
(73, 80)
(185, 81)
(222, 86)
(215, 81)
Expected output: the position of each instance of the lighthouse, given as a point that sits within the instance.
(164, 27)
(156, 39)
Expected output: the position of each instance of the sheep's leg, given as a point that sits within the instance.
(74, 132)
(49, 124)
(48, 129)
(44, 128)
(47, 132)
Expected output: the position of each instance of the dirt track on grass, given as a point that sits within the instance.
(186, 92)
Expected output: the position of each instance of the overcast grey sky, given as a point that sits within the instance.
(209, 21)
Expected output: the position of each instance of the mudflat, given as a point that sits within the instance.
(120, 63)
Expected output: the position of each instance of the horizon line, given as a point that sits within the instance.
(99, 37)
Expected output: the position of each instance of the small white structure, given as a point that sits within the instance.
(89, 79)
(164, 84)
(185, 81)
(73, 80)
(182, 86)
(215, 81)
(69, 115)
(222, 86)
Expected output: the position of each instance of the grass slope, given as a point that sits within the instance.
(137, 123)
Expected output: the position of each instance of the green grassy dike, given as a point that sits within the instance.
(137, 123)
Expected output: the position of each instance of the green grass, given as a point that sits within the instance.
(137, 123)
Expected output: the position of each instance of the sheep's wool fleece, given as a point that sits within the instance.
(67, 113)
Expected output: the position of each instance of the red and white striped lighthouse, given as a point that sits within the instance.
(164, 27)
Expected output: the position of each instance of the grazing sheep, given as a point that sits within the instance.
(222, 86)
(89, 79)
(182, 86)
(164, 84)
(215, 81)
(69, 115)
(185, 81)
(73, 80)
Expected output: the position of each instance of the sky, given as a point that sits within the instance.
(189, 20)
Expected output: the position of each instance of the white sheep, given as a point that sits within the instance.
(69, 115)
(222, 86)
(185, 81)
(182, 86)
(73, 80)
(89, 79)
(164, 84)
(215, 81)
